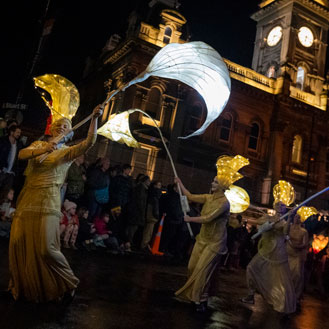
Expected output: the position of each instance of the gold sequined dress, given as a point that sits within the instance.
(39, 272)
(210, 244)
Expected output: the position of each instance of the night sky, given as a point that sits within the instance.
(82, 28)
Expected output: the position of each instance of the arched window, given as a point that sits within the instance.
(300, 78)
(153, 103)
(225, 127)
(296, 152)
(271, 72)
(167, 35)
(254, 135)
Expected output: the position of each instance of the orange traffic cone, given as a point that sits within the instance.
(156, 243)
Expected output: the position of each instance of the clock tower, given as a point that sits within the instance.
(291, 40)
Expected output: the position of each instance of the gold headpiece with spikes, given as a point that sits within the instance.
(227, 169)
(284, 192)
(306, 212)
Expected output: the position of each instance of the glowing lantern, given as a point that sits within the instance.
(319, 242)
(306, 212)
(65, 98)
(117, 129)
(199, 66)
(284, 192)
(238, 198)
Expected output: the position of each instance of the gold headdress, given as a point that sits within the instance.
(284, 192)
(227, 169)
(306, 212)
(65, 98)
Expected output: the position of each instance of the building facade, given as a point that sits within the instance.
(277, 114)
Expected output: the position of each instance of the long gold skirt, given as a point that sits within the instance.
(39, 271)
(201, 266)
(272, 280)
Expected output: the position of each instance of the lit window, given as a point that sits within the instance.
(296, 153)
(271, 72)
(225, 127)
(144, 160)
(300, 78)
(167, 35)
(254, 135)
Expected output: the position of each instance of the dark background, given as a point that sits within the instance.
(82, 28)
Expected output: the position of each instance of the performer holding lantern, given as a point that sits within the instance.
(268, 272)
(211, 241)
(39, 271)
(297, 248)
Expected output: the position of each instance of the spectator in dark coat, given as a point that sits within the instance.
(152, 212)
(3, 126)
(9, 148)
(120, 196)
(76, 178)
(137, 208)
(97, 185)
(173, 231)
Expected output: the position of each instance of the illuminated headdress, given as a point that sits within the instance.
(306, 212)
(284, 192)
(65, 98)
(228, 167)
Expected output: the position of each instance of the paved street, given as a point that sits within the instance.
(135, 291)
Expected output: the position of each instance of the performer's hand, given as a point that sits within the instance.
(177, 180)
(98, 111)
(187, 219)
(50, 147)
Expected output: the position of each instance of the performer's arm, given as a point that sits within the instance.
(259, 221)
(79, 149)
(36, 149)
(286, 227)
(223, 207)
(198, 198)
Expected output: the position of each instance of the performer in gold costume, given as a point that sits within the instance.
(39, 271)
(297, 248)
(210, 243)
(268, 272)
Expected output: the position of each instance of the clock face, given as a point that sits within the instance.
(274, 36)
(305, 36)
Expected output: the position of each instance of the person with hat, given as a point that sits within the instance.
(39, 272)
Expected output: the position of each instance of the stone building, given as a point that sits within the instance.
(276, 116)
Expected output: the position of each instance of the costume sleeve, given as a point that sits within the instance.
(223, 206)
(198, 198)
(74, 151)
(26, 152)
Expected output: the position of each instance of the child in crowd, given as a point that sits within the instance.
(7, 209)
(103, 233)
(69, 225)
(86, 230)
